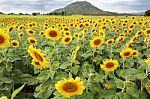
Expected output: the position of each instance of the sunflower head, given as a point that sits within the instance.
(30, 32)
(148, 61)
(70, 87)
(109, 65)
(20, 35)
(32, 41)
(15, 43)
(96, 42)
(66, 40)
(53, 34)
(147, 32)
(126, 52)
(38, 56)
(110, 41)
(135, 53)
(4, 39)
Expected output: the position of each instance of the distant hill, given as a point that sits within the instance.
(82, 8)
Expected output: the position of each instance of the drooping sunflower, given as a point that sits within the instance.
(53, 34)
(15, 43)
(38, 56)
(148, 61)
(30, 32)
(135, 53)
(70, 87)
(37, 64)
(147, 32)
(66, 40)
(75, 52)
(110, 41)
(96, 42)
(126, 52)
(109, 65)
(32, 41)
(4, 39)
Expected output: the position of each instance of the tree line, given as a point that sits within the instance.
(63, 13)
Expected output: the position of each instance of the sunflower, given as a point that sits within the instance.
(109, 65)
(4, 97)
(66, 33)
(148, 61)
(147, 32)
(120, 39)
(75, 52)
(70, 87)
(66, 40)
(42, 34)
(37, 64)
(20, 27)
(32, 41)
(96, 42)
(38, 56)
(15, 43)
(4, 39)
(20, 35)
(135, 53)
(76, 35)
(10, 28)
(110, 41)
(126, 52)
(30, 32)
(53, 34)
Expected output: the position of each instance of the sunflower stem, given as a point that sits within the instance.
(123, 63)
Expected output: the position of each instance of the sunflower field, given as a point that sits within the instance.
(74, 57)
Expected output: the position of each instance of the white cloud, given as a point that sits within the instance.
(28, 6)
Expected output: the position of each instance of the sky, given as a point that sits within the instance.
(45, 6)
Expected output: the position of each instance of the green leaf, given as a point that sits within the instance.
(17, 91)
(124, 96)
(75, 69)
(65, 65)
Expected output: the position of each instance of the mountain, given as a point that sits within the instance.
(138, 13)
(82, 8)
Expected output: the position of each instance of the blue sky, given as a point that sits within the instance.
(44, 6)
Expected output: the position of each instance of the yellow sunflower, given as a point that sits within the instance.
(32, 41)
(20, 35)
(148, 61)
(110, 41)
(96, 42)
(37, 64)
(53, 34)
(135, 53)
(4, 39)
(76, 35)
(75, 52)
(66, 40)
(4, 97)
(15, 43)
(38, 56)
(109, 65)
(70, 87)
(147, 32)
(30, 32)
(126, 52)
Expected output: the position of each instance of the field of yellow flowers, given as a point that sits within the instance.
(74, 57)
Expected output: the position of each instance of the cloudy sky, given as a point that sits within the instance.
(44, 6)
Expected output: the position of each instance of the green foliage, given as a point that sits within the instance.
(147, 13)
